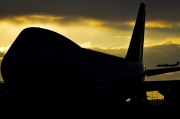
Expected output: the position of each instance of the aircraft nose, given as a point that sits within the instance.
(37, 55)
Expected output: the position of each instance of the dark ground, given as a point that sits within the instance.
(11, 103)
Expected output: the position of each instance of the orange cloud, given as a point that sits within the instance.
(155, 24)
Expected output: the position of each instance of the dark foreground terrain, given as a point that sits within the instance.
(72, 105)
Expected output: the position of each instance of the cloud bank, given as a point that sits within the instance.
(116, 10)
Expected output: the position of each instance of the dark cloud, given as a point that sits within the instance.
(110, 10)
(153, 55)
(162, 33)
(161, 54)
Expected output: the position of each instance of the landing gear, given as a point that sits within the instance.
(139, 102)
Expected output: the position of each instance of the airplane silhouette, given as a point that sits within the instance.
(41, 62)
(168, 65)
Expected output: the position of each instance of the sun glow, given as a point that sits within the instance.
(79, 30)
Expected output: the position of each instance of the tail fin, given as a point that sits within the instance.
(135, 51)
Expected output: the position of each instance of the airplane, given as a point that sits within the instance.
(168, 65)
(44, 65)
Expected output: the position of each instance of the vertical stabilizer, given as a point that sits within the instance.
(135, 51)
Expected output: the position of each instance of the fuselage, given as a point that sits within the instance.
(42, 56)
(105, 68)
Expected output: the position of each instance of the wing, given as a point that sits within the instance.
(161, 85)
(165, 87)
(153, 72)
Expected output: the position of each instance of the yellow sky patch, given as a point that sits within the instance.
(154, 95)
(4, 49)
(158, 24)
(154, 24)
(92, 22)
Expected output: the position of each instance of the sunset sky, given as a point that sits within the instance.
(103, 25)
